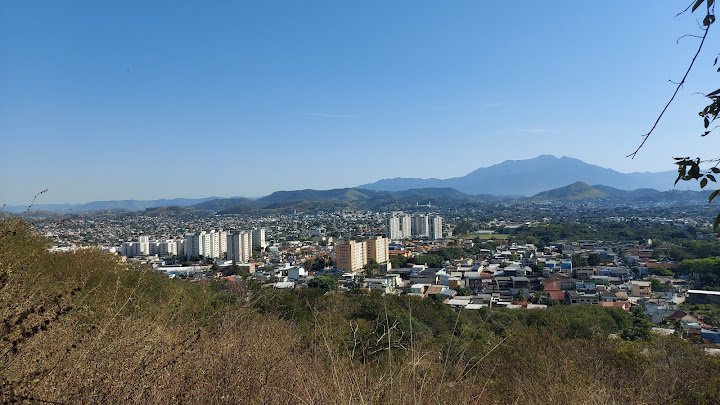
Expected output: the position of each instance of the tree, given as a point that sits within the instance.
(371, 267)
(462, 291)
(655, 284)
(593, 259)
(640, 329)
(463, 228)
(661, 271)
(579, 261)
(325, 283)
(689, 168)
(398, 262)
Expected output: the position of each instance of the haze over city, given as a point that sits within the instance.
(176, 99)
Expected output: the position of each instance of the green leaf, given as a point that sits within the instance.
(713, 195)
(711, 177)
(716, 223)
(706, 122)
(708, 20)
(697, 4)
(714, 93)
(715, 170)
(694, 172)
(703, 182)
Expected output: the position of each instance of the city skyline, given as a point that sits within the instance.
(137, 101)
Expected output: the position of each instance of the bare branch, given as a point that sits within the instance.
(687, 35)
(677, 89)
(686, 9)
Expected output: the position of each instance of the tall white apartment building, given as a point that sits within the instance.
(205, 244)
(180, 244)
(258, 239)
(167, 248)
(192, 245)
(144, 245)
(419, 226)
(435, 225)
(238, 246)
(154, 247)
(215, 244)
(398, 226)
(129, 249)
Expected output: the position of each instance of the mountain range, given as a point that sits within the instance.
(544, 178)
(531, 176)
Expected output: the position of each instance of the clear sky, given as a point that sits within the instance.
(161, 99)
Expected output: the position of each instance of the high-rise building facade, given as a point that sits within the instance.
(258, 239)
(238, 246)
(419, 226)
(435, 227)
(378, 249)
(350, 255)
(403, 226)
(192, 245)
(398, 226)
(144, 245)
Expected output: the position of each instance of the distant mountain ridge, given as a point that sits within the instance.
(350, 198)
(543, 174)
(531, 176)
(135, 205)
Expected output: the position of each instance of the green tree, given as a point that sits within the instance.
(463, 228)
(430, 260)
(398, 262)
(661, 271)
(463, 290)
(325, 283)
(656, 284)
(578, 261)
(371, 267)
(640, 329)
(593, 259)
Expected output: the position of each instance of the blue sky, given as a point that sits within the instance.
(163, 99)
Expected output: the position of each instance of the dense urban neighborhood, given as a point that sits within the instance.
(523, 256)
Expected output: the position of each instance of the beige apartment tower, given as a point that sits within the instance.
(378, 249)
(350, 255)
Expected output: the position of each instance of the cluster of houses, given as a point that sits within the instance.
(510, 276)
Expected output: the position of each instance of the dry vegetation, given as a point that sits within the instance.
(80, 327)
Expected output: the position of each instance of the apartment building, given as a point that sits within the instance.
(239, 246)
(378, 249)
(350, 255)
(258, 238)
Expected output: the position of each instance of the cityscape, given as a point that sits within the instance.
(467, 202)
(484, 256)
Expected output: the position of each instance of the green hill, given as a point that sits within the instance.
(575, 191)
